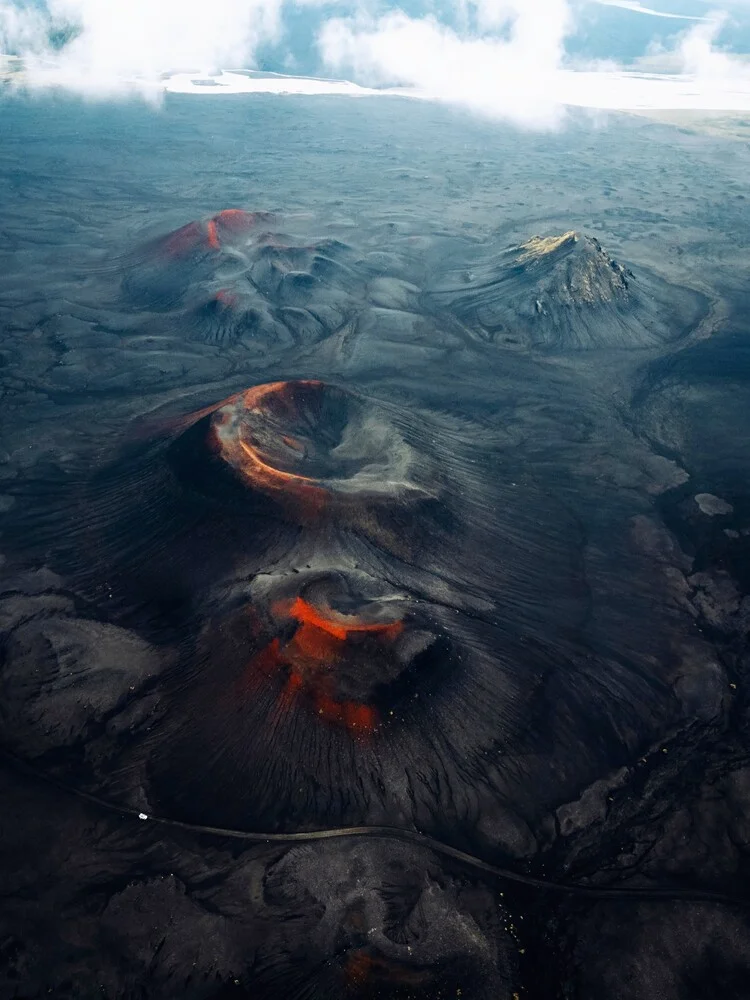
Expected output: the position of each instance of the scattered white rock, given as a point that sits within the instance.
(711, 505)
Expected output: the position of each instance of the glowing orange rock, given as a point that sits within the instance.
(321, 639)
(341, 626)
(212, 237)
(233, 439)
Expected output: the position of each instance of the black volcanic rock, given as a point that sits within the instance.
(565, 293)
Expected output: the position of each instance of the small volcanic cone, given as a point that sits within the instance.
(566, 293)
(176, 503)
(340, 643)
(311, 447)
(230, 281)
(160, 274)
(295, 705)
(225, 228)
(574, 268)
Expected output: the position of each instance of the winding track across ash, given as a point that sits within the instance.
(386, 832)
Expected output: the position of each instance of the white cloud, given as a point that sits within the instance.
(129, 43)
(701, 58)
(522, 76)
(510, 75)
(21, 28)
(501, 58)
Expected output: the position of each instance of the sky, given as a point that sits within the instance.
(523, 61)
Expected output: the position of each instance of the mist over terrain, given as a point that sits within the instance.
(519, 60)
(375, 520)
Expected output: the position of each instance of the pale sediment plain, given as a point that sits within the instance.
(369, 465)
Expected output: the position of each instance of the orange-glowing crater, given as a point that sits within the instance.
(310, 444)
(331, 660)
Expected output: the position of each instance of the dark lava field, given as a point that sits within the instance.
(375, 574)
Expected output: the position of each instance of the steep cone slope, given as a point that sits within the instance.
(566, 293)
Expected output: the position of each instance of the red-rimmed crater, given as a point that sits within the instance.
(224, 228)
(310, 446)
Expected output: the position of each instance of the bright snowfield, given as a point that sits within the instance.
(604, 89)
